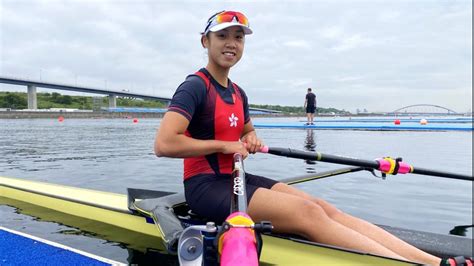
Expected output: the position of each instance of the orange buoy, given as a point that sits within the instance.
(135, 120)
(61, 118)
(397, 122)
(423, 121)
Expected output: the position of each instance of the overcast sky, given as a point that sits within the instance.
(378, 55)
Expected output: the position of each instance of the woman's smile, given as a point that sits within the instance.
(229, 55)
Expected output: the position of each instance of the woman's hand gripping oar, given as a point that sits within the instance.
(386, 165)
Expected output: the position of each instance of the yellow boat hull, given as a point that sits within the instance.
(111, 209)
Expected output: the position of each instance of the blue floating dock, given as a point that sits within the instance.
(458, 120)
(17, 248)
(369, 126)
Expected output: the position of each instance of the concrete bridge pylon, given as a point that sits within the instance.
(32, 101)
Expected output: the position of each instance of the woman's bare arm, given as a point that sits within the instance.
(171, 141)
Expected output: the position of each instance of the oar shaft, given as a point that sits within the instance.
(421, 171)
(237, 243)
(317, 156)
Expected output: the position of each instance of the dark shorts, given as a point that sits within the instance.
(310, 109)
(209, 195)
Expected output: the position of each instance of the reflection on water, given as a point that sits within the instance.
(114, 154)
(310, 145)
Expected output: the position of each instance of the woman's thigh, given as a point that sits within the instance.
(330, 209)
(287, 212)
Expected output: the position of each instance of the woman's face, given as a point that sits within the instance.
(225, 47)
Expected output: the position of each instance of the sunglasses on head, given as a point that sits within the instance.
(227, 16)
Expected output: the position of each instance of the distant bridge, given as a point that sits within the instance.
(33, 84)
(416, 109)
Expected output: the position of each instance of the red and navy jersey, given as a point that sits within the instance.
(214, 112)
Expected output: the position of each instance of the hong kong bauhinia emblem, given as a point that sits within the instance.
(233, 120)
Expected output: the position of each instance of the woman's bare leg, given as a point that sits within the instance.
(304, 217)
(370, 230)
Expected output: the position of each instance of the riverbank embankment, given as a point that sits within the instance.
(96, 115)
(77, 115)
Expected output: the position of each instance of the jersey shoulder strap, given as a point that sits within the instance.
(237, 90)
(205, 78)
(207, 81)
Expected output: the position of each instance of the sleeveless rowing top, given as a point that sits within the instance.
(220, 115)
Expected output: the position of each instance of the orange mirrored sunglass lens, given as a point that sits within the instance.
(228, 16)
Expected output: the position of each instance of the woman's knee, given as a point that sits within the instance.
(311, 217)
(328, 208)
(311, 212)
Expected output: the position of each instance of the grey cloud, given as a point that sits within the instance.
(350, 51)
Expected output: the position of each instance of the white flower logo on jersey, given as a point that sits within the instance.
(233, 120)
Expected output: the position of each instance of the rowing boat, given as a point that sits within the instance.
(114, 210)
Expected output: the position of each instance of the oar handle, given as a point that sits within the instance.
(264, 149)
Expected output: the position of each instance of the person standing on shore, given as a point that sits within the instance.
(310, 106)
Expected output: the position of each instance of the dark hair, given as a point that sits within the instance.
(309, 89)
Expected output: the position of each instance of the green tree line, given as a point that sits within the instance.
(19, 100)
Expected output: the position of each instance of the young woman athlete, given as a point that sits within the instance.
(208, 121)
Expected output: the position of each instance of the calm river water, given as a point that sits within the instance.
(113, 154)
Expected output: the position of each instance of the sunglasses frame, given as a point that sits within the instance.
(235, 14)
